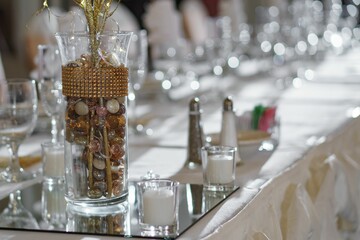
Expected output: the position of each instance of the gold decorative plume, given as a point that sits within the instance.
(97, 13)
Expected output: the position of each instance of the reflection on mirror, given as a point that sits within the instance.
(55, 215)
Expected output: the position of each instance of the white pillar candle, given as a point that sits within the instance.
(159, 207)
(54, 163)
(220, 169)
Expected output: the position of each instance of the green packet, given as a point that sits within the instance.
(256, 115)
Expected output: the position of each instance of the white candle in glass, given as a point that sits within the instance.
(159, 207)
(220, 169)
(54, 163)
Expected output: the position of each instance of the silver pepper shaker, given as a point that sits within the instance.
(196, 139)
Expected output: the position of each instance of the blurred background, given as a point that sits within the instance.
(21, 32)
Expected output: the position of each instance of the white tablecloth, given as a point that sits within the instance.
(307, 189)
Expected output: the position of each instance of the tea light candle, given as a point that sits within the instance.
(159, 207)
(220, 169)
(54, 163)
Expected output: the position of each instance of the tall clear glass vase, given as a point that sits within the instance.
(95, 85)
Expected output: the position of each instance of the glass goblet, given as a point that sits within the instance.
(15, 215)
(18, 116)
(50, 87)
(138, 69)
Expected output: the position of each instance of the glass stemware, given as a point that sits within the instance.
(18, 116)
(138, 69)
(220, 44)
(15, 215)
(49, 73)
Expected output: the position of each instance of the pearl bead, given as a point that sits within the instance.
(99, 164)
(112, 106)
(101, 186)
(99, 175)
(81, 108)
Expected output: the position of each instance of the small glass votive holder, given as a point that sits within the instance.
(218, 163)
(53, 161)
(158, 207)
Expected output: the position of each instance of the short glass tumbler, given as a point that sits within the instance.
(218, 164)
(158, 207)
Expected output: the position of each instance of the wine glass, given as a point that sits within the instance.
(18, 116)
(219, 45)
(15, 215)
(50, 87)
(138, 69)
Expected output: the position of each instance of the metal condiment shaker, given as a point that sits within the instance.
(196, 139)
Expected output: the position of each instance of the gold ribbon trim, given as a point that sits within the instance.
(89, 82)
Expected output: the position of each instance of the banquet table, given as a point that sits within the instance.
(307, 188)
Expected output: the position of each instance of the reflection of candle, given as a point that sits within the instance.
(159, 207)
(53, 203)
(220, 169)
(54, 163)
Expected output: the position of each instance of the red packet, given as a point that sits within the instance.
(267, 119)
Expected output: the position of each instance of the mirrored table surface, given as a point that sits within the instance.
(55, 215)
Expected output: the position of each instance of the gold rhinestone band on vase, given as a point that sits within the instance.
(92, 82)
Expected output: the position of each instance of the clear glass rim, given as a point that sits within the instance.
(49, 144)
(161, 181)
(87, 34)
(219, 149)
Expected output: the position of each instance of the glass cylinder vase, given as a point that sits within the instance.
(95, 85)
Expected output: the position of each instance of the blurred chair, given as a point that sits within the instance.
(163, 22)
(2, 79)
(2, 72)
(195, 18)
(40, 30)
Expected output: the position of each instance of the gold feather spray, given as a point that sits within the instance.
(97, 12)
